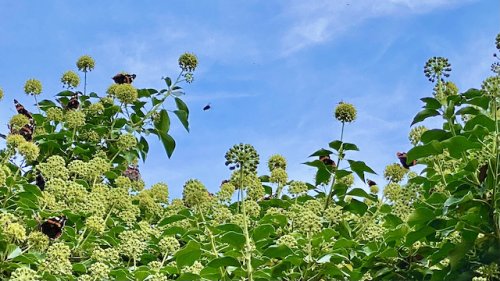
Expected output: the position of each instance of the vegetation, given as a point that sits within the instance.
(74, 161)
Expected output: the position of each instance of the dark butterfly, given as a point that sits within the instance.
(132, 172)
(326, 159)
(53, 227)
(207, 107)
(26, 132)
(3, 136)
(371, 183)
(74, 103)
(121, 78)
(40, 181)
(224, 181)
(483, 172)
(21, 110)
(402, 158)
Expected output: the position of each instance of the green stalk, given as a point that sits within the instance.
(248, 254)
(330, 194)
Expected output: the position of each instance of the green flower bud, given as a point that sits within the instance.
(33, 87)
(95, 224)
(195, 268)
(374, 189)
(75, 119)
(85, 63)
(345, 112)
(347, 180)
(15, 232)
(55, 114)
(444, 90)
(226, 192)
(70, 79)
(1, 94)
(314, 205)
(57, 260)
(126, 142)
(395, 172)
(195, 193)
(132, 243)
(252, 208)
(297, 187)
(334, 214)
(159, 192)
(125, 93)
(221, 214)
(287, 240)
(24, 274)
(38, 241)
(243, 156)
(188, 62)
(14, 140)
(169, 245)
(158, 277)
(416, 134)
(155, 265)
(96, 108)
(18, 121)
(29, 150)
(437, 67)
(276, 161)
(99, 271)
(492, 86)
(278, 175)
(308, 222)
(3, 177)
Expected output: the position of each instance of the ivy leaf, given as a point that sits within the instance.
(416, 235)
(424, 114)
(188, 255)
(431, 103)
(360, 168)
(224, 262)
(432, 148)
(321, 152)
(458, 144)
(345, 146)
(435, 134)
(183, 117)
(163, 123)
(181, 105)
(168, 142)
(234, 239)
(280, 251)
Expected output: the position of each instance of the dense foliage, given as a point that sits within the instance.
(77, 160)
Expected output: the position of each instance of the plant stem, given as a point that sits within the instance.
(84, 82)
(330, 194)
(248, 246)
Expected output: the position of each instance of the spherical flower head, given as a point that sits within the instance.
(18, 121)
(243, 156)
(57, 260)
(98, 166)
(125, 93)
(444, 90)
(126, 142)
(394, 172)
(393, 191)
(14, 140)
(195, 193)
(334, 214)
(99, 271)
(287, 240)
(279, 176)
(38, 241)
(33, 87)
(314, 205)
(29, 150)
(221, 214)
(308, 222)
(132, 243)
(374, 189)
(15, 232)
(345, 112)
(85, 63)
(240, 220)
(95, 224)
(85, 277)
(492, 86)
(138, 185)
(70, 79)
(169, 245)
(96, 108)
(55, 114)
(416, 134)
(155, 265)
(188, 62)
(74, 119)
(3, 177)
(54, 167)
(347, 180)
(276, 161)
(158, 277)
(255, 191)
(297, 188)
(195, 268)
(159, 192)
(1, 94)
(24, 274)
(437, 67)
(497, 42)
(252, 208)
(226, 192)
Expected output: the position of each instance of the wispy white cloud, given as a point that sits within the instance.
(319, 21)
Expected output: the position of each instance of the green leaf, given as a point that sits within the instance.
(188, 255)
(458, 144)
(468, 110)
(168, 142)
(321, 152)
(431, 148)
(183, 117)
(234, 239)
(416, 235)
(360, 168)
(163, 123)
(431, 103)
(345, 146)
(224, 262)
(280, 251)
(356, 207)
(435, 134)
(171, 219)
(481, 120)
(14, 251)
(360, 193)
(454, 200)
(181, 105)
(424, 114)
(230, 227)
(262, 231)
(32, 189)
(420, 216)
(168, 81)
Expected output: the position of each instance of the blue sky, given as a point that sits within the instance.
(273, 71)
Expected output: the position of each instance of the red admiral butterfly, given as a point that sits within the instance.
(132, 172)
(27, 130)
(53, 227)
(326, 159)
(402, 158)
(371, 183)
(73, 103)
(21, 110)
(40, 181)
(121, 78)
(483, 173)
